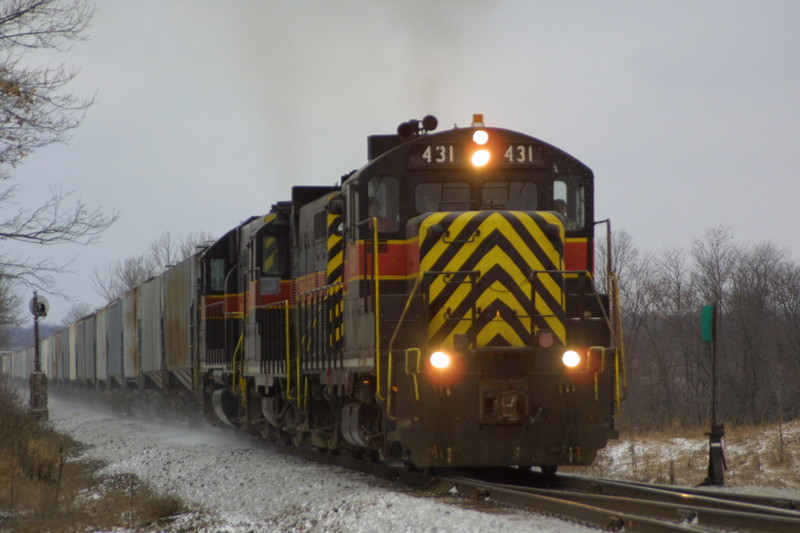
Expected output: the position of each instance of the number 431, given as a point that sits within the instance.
(520, 153)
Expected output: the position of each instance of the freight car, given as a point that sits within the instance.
(437, 306)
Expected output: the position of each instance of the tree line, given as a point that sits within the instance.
(756, 289)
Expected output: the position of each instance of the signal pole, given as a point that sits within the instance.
(38, 306)
(716, 456)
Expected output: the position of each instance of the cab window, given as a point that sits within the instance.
(448, 196)
(569, 202)
(272, 262)
(217, 274)
(513, 195)
(383, 196)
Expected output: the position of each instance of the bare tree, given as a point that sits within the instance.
(76, 312)
(9, 302)
(164, 252)
(168, 250)
(120, 277)
(35, 111)
(714, 256)
(757, 289)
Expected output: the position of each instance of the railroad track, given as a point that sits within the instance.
(617, 505)
(606, 504)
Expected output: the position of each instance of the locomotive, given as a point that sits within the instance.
(437, 307)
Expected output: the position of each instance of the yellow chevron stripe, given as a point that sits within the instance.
(502, 328)
(495, 257)
(497, 222)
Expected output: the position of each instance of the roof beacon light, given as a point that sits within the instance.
(477, 120)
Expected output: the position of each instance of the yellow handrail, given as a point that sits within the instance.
(391, 349)
(377, 308)
(236, 351)
(287, 332)
(620, 376)
(413, 373)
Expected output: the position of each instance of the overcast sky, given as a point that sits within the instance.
(208, 112)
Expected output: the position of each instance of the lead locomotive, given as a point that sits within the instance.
(437, 307)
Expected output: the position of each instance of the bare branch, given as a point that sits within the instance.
(34, 109)
(53, 222)
(165, 251)
(9, 304)
(43, 23)
(76, 312)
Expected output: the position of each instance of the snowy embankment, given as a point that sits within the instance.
(241, 487)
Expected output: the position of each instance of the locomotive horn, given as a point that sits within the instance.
(414, 127)
(429, 123)
(408, 129)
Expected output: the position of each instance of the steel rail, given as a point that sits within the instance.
(756, 499)
(559, 504)
(678, 495)
(640, 506)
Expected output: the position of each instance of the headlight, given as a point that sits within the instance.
(480, 137)
(480, 157)
(571, 359)
(440, 360)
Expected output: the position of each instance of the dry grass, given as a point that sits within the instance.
(41, 489)
(765, 455)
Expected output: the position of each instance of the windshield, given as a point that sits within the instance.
(458, 196)
(448, 196)
(513, 195)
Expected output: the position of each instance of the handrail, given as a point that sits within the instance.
(414, 289)
(589, 277)
(413, 373)
(620, 389)
(614, 324)
(389, 375)
(376, 308)
(326, 291)
(287, 333)
(612, 288)
(233, 360)
(285, 305)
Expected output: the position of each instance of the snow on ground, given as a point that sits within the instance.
(761, 460)
(242, 487)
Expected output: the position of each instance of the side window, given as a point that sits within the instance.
(217, 274)
(272, 256)
(383, 202)
(514, 195)
(451, 196)
(568, 200)
(350, 208)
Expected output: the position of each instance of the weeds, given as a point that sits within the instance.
(43, 489)
(755, 455)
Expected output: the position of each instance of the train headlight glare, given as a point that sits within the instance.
(440, 360)
(480, 157)
(480, 137)
(571, 359)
